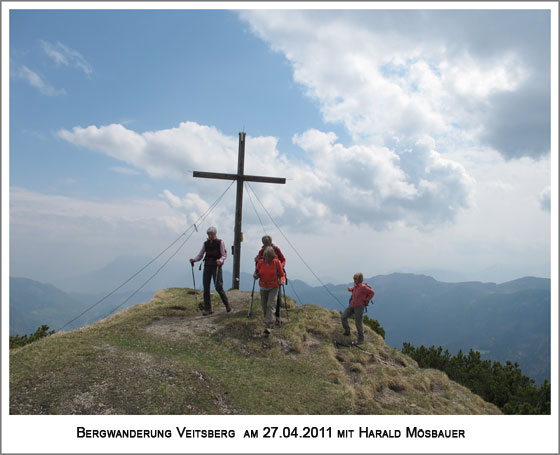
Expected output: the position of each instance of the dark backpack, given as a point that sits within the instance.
(370, 300)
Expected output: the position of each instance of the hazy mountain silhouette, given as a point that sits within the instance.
(507, 321)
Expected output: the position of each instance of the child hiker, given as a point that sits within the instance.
(361, 295)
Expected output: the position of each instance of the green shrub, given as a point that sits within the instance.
(503, 385)
(17, 340)
(374, 325)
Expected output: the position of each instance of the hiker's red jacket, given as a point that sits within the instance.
(270, 275)
(361, 294)
(279, 255)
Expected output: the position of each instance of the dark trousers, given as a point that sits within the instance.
(279, 301)
(213, 272)
(358, 313)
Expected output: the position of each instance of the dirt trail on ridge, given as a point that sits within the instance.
(175, 328)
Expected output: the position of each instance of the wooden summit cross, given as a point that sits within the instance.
(240, 177)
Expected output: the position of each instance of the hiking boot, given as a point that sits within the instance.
(207, 312)
(266, 332)
(228, 308)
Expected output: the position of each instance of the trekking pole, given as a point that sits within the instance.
(194, 285)
(285, 302)
(284, 289)
(218, 273)
(252, 293)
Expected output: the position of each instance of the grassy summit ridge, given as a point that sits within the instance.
(164, 357)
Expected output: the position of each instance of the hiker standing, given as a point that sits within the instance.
(214, 251)
(271, 277)
(267, 241)
(361, 295)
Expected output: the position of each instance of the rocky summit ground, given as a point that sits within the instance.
(165, 357)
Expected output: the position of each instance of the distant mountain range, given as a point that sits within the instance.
(508, 321)
(33, 304)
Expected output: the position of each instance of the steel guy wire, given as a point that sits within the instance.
(149, 279)
(294, 289)
(198, 221)
(255, 209)
(294, 248)
(257, 213)
(201, 218)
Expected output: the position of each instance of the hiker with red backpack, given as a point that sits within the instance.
(361, 295)
(267, 241)
(271, 276)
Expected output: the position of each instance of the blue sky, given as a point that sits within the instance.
(150, 70)
(411, 140)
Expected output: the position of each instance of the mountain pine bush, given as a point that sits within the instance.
(374, 325)
(503, 385)
(16, 340)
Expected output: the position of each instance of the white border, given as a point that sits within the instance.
(308, 5)
(490, 434)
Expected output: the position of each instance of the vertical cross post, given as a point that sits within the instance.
(238, 212)
(241, 178)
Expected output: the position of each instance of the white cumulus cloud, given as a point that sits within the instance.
(354, 184)
(405, 74)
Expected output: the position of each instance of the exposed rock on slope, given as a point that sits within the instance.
(164, 357)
